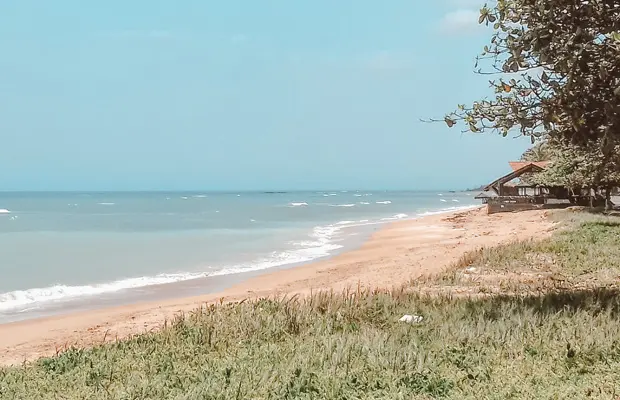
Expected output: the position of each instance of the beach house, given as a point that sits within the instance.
(515, 191)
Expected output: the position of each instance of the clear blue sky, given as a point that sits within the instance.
(237, 94)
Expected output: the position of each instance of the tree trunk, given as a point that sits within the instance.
(591, 192)
(608, 206)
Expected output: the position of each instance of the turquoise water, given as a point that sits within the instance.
(61, 247)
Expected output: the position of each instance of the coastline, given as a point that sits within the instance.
(393, 255)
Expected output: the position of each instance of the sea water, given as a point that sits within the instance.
(62, 249)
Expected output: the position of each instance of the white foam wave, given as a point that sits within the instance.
(320, 245)
(455, 200)
(364, 203)
(447, 210)
(342, 205)
(384, 202)
(395, 217)
(106, 204)
(443, 200)
(199, 196)
(345, 222)
(357, 195)
(302, 204)
(20, 298)
(4, 211)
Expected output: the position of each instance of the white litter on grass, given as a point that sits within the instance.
(411, 319)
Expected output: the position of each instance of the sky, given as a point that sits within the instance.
(241, 95)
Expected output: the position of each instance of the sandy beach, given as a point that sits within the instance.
(392, 256)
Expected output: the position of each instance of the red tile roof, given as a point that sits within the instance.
(517, 165)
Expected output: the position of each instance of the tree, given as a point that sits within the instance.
(539, 152)
(582, 166)
(558, 67)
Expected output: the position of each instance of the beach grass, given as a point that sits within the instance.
(559, 343)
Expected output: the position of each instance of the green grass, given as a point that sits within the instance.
(583, 253)
(555, 345)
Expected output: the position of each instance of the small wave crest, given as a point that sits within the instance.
(342, 205)
(384, 202)
(106, 204)
(395, 217)
(4, 211)
(447, 210)
(21, 298)
(302, 204)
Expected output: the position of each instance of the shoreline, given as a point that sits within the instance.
(393, 255)
(208, 284)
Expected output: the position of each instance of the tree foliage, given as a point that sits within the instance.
(558, 67)
(539, 152)
(583, 166)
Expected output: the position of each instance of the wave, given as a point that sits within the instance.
(320, 245)
(364, 202)
(447, 210)
(106, 204)
(20, 298)
(342, 205)
(345, 222)
(200, 196)
(4, 211)
(455, 200)
(384, 202)
(298, 204)
(395, 217)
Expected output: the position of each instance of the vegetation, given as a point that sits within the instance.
(558, 68)
(549, 343)
(539, 152)
(578, 256)
(558, 63)
(585, 166)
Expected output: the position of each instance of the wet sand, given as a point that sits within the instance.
(391, 257)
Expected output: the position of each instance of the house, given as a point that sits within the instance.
(513, 191)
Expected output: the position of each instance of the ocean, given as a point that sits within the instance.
(63, 252)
